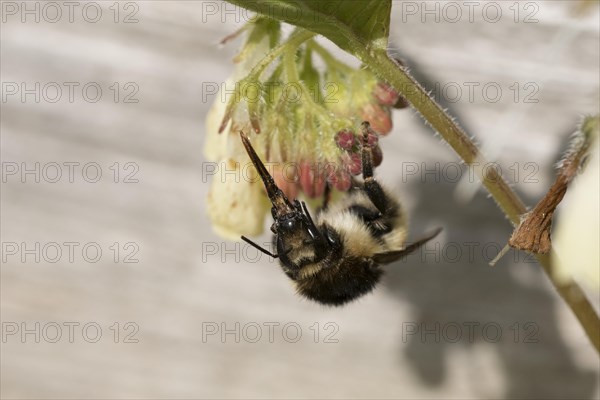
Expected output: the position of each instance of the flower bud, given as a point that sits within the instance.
(377, 156)
(341, 180)
(378, 117)
(354, 164)
(345, 139)
(311, 181)
(287, 182)
(385, 94)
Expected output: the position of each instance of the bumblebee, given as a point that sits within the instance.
(338, 258)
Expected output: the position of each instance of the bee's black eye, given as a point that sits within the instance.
(288, 225)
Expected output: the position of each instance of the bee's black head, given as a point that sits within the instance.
(288, 224)
(297, 238)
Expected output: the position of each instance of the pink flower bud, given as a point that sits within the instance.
(340, 180)
(287, 183)
(378, 117)
(377, 156)
(345, 139)
(385, 94)
(311, 182)
(354, 164)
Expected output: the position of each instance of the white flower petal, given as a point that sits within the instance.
(236, 205)
(577, 232)
(215, 143)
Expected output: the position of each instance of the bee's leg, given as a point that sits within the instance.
(372, 188)
(314, 231)
(326, 197)
(355, 184)
(256, 246)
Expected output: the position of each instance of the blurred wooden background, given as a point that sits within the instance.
(164, 57)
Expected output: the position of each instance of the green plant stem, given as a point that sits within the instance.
(331, 61)
(510, 203)
(433, 114)
(289, 66)
(296, 39)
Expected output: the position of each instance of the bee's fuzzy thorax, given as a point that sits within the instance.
(359, 240)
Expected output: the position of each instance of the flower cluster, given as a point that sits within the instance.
(301, 115)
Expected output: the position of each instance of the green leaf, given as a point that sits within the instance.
(353, 25)
(259, 28)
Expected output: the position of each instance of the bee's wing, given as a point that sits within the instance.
(391, 256)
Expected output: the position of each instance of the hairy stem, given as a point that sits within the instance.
(510, 203)
(289, 66)
(296, 39)
(331, 61)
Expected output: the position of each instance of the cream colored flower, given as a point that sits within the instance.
(577, 232)
(236, 202)
(215, 144)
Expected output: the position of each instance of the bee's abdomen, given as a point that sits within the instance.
(341, 284)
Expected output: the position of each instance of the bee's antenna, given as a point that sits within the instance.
(262, 249)
(256, 246)
(310, 221)
(280, 202)
(326, 197)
